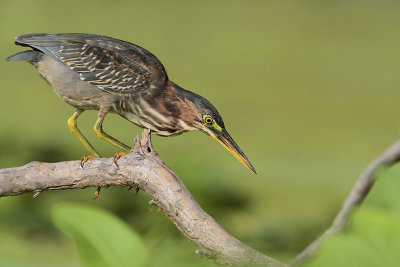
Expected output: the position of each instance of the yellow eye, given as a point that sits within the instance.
(208, 120)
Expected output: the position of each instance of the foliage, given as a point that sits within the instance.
(102, 239)
(373, 238)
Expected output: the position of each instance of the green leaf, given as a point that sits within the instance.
(386, 190)
(102, 239)
(380, 229)
(372, 240)
(345, 250)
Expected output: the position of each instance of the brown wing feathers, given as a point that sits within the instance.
(103, 68)
(112, 65)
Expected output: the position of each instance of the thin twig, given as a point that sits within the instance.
(357, 195)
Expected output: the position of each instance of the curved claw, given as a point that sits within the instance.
(136, 189)
(84, 159)
(116, 156)
(97, 193)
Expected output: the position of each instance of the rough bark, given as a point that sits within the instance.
(142, 168)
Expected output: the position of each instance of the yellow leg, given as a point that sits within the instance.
(73, 127)
(98, 129)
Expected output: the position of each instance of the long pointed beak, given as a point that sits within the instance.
(227, 141)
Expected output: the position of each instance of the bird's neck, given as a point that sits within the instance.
(181, 93)
(185, 102)
(178, 105)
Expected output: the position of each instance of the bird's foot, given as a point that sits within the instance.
(84, 159)
(116, 156)
(97, 193)
(136, 189)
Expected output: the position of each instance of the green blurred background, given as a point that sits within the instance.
(308, 89)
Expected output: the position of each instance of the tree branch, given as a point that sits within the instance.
(143, 169)
(357, 195)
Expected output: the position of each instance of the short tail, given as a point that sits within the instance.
(29, 55)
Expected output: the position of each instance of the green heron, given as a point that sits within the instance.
(94, 72)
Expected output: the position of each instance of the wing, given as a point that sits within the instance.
(113, 65)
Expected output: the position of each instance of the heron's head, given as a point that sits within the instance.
(209, 121)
